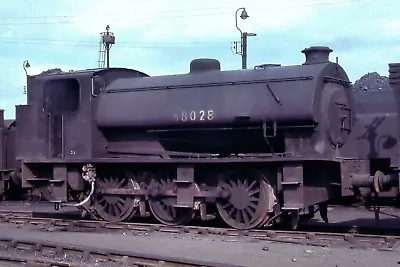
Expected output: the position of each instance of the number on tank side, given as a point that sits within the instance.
(193, 115)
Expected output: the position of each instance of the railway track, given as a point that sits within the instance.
(14, 252)
(326, 236)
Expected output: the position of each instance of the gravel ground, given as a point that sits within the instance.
(46, 260)
(389, 217)
(228, 250)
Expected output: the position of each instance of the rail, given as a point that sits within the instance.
(45, 253)
(322, 235)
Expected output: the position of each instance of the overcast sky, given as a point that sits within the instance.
(163, 36)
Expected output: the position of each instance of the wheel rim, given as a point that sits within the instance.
(114, 208)
(246, 201)
(271, 193)
(163, 209)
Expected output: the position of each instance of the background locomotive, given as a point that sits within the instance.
(249, 145)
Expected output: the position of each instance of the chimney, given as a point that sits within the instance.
(316, 54)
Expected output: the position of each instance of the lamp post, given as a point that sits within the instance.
(26, 65)
(243, 36)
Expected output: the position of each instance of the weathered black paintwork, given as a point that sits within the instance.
(255, 143)
(209, 110)
(10, 180)
(375, 131)
(57, 118)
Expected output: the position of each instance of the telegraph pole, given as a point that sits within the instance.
(244, 50)
(243, 38)
(107, 40)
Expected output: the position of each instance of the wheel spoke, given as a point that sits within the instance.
(228, 204)
(245, 216)
(172, 211)
(252, 205)
(247, 205)
(253, 199)
(253, 192)
(115, 208)
(237, 215)
(119, 205)
(121, 183)
(162, 207)
(120, 200)
(231, 211)
(113, 211)
(251, 185)
(250, 212)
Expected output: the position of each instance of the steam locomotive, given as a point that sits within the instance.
(255, 147)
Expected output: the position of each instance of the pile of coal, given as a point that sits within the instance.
(51, 71)
(372, 82)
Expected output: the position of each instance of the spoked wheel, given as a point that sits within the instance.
(116, 208)
(162, 206)
(246, 200)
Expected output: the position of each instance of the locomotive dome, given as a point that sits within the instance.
(204, 64)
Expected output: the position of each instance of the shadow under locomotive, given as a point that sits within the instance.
(254, 147)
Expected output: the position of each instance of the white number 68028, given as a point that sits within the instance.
(197, 115)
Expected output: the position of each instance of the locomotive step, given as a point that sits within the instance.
(182, 206)
(56, 181)
(183, 182)
(45, 180)
(37, 179)
(291, 183)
